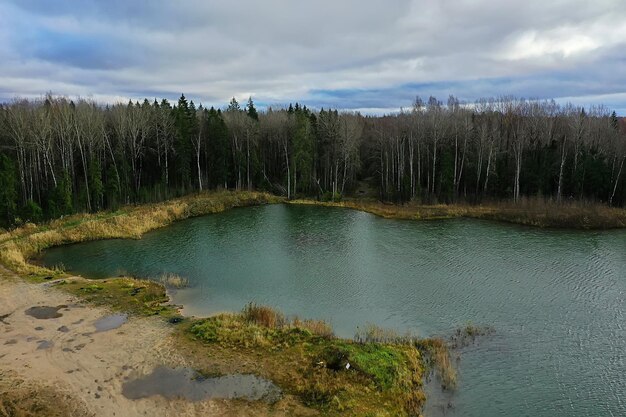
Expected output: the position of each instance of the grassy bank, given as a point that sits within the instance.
(529, 212)
(303, 357)
(365, 377)
(131, 222)
(335, 376)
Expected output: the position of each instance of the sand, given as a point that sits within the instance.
(63, 366)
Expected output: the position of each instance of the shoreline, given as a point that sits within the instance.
(18, 246)
(297, 355)
(532, 213)
(63, 366)
(217, 342)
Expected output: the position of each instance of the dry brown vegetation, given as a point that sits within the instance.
(437, 356)
(372, 333)
(19, 398)
(317, 327)
(535, 212)
(263, 316)
(130, 222)
(170, 280)
(271, 318)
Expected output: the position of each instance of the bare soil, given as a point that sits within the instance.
(62, 366)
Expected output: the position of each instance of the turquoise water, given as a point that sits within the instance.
(556, 299)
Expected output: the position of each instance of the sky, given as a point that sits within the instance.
(374, 56)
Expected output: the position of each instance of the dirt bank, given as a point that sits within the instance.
(63, 366)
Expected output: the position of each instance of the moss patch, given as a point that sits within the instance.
(380, 380)
(138, 297)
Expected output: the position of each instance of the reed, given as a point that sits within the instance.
(438, 358)
(170, 280)
(263, 316)
(536, 212)
(317, 327)
(372, 333)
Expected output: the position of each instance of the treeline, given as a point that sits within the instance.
(59, 156)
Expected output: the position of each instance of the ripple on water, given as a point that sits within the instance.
(557, 298)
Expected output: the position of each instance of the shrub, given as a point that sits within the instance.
(316, 327)
(330, 196)
(31, 212)
(318, 394)
(438, 357)
(171, 280)
(263, 316)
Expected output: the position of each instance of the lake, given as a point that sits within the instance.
(556, 299)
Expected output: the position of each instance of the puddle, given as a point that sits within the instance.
(110, 322)
(45, 312)
(44, 344)
(188, 384)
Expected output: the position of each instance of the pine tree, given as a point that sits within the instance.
(233, 105)
(251, 110)
(182, 144)
(60, 202)
(8, 191)
(95, 184)
(614, 121)
(218, 149)
(31, 212)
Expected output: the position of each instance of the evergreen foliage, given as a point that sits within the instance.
(59, 156)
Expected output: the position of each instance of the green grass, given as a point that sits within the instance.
(137, 297)
(382, 379)
(384, 364)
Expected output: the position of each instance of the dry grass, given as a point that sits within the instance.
(131, 222)
(535, 212)
(549, 213)
(317, 327)
(19, 398)
(263, 316)
(170, 280)
(438, 357)
(372, 333)
(271, 318)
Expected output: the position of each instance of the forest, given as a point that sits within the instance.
(59, 156)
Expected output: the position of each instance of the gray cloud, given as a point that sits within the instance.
(348, 54)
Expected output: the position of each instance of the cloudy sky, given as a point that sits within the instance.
(372, 55)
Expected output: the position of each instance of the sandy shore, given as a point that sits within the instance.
(63, 366)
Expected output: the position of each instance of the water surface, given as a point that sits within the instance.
(188, 384)
(555, 298)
